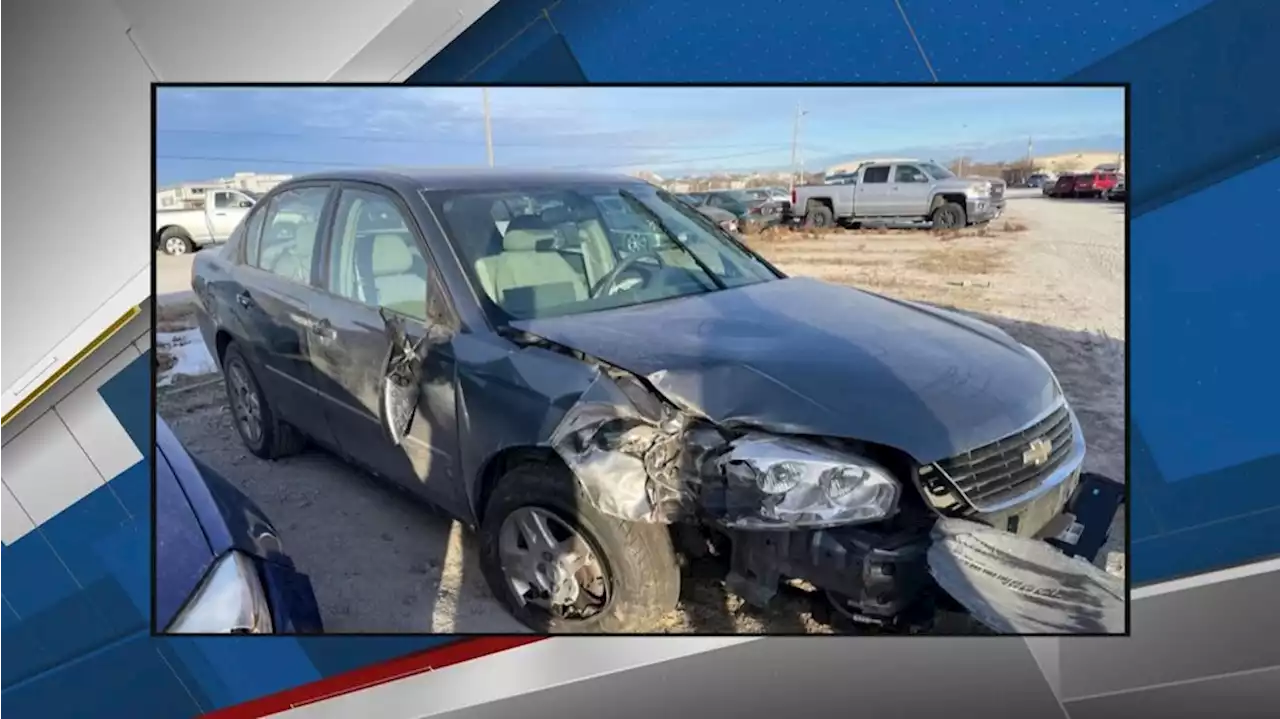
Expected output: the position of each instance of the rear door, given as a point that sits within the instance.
(376, 266)
(871, 198)
(272, 303)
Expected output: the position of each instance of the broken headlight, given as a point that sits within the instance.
(782, 483)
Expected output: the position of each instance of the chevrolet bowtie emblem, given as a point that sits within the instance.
(1037, 453)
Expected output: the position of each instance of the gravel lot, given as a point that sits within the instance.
(1051, 273)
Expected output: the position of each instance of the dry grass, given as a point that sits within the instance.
(961, 261)
(1013, 227)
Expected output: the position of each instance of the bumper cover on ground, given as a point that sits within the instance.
(1013, 583)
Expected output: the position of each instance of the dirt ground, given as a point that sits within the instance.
(1051, 273)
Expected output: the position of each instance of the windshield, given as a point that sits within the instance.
(583, 248)
(937, 172)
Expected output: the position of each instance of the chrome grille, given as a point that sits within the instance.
(996, 473)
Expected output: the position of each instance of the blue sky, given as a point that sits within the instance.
(204, 133)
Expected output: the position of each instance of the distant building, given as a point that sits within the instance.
(1079, 161)
(191, 194)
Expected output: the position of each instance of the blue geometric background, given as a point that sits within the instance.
(1204, 259)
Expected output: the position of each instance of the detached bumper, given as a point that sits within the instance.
(883, 574)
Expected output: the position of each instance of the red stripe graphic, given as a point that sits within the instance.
(372, 676)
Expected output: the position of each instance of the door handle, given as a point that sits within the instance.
(244, 300)
(219, 214)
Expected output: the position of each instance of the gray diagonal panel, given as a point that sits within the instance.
(1246, 695)
(852, 676)
(1220, 628)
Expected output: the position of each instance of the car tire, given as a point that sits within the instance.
(948, 216)
(275, 439)
(174, 241)
(641, 570)
(819, 217)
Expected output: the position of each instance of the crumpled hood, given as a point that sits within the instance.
(802, 356)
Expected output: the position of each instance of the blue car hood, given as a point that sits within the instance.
(199, 517)
(801, 356)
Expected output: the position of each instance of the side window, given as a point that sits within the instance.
(876, 175)
(288, 240)
(908, 173)
(374, 258)
(223, 200)
(252, 235)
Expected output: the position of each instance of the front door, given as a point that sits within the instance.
(229, 207)
(272, 303)
(909, 192)
(376, 271)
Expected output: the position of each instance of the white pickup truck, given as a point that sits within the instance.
(178, 232)
(901, 192)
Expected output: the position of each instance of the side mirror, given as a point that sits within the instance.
(246, 203)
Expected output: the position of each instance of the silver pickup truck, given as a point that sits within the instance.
(178, 232)
(900, 193)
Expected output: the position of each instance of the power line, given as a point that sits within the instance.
(576, 137)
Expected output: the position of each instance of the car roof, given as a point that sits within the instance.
(410, 179)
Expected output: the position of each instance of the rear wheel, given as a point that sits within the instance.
(819, 217)
(174, 241)
(261, 429)
(948, 216)
(559, 565)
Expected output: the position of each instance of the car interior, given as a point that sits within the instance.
(549, 257)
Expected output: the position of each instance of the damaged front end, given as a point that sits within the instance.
(819, 511)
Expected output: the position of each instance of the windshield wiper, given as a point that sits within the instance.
(635, 204)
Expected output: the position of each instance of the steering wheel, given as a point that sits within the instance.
(607, 282)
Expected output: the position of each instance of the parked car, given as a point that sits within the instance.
(1095, 183)
(220, 566)
(1064, 186)
(1118, 193)
(770, 194)
(913, 192)
(753, 213)
(726, 220)
(1039, 180)
(178, 232)
(596, 409)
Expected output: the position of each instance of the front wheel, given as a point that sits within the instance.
(948, 216)
(559, 565)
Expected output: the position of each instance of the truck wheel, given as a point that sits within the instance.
(948, 216)
(559, 565)
(819, 217)
(174, 241)
(261, 429)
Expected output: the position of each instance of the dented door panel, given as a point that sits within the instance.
(352, 367)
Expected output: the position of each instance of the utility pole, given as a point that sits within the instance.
(488, 126)
(795, 145)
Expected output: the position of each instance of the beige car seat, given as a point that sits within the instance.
(528, 276)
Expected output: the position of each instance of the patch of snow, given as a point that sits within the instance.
(191, 357)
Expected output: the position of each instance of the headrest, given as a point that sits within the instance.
(557, 215)
(528, 222)
(391, 255)
(517, 240)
